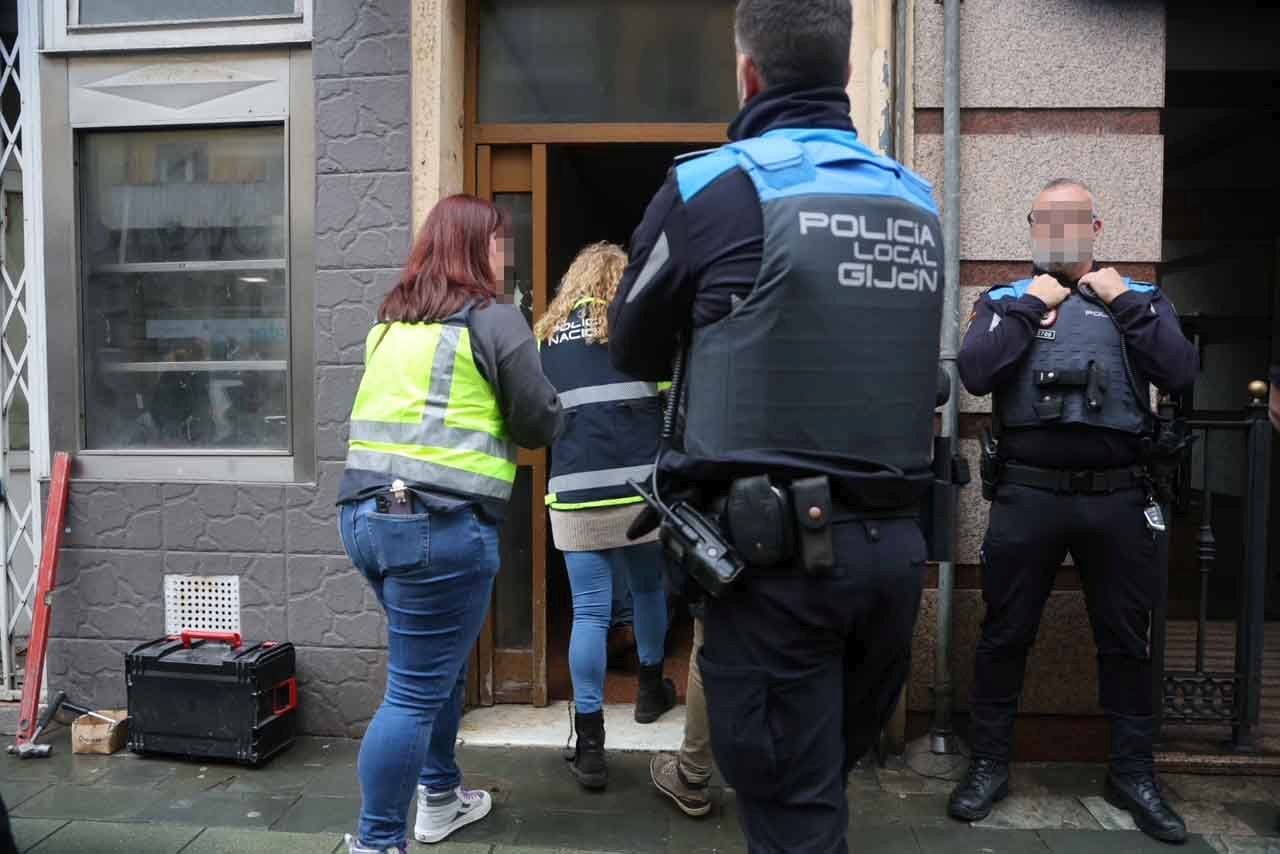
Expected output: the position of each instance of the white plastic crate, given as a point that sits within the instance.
(201, 602)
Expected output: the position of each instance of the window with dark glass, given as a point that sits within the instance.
(184, 309)
(620, 61)
(107, 12)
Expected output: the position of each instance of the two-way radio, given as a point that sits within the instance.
(691, 541)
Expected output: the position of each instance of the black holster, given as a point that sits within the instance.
(989, 466)
(938, 510)
(769, 525)
(1167, 449)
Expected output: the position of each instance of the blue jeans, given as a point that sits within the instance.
(591, 580)
(433, 574)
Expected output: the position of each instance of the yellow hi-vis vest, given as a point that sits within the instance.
(425, 414)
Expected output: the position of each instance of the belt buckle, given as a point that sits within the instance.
(1080, 481)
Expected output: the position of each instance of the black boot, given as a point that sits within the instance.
(1140, 795)
(588, 763)
(657, 695)
(986, 782)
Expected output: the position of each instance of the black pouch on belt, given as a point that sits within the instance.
(759, 521)
(811, 503)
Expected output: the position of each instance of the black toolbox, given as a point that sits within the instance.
(208, 695)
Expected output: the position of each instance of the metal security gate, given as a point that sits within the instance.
(24, 453)
(1200, 683)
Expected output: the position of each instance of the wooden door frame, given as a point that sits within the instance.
(480, 141)
(498, 674)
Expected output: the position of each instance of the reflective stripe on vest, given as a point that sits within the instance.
(607, 393)
(439, 427)
(598, 479)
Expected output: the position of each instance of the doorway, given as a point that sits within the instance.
(560, 196)
(600, 192)
(1221, 269)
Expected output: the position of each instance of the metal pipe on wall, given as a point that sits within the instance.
(901, 103)
(941, 738)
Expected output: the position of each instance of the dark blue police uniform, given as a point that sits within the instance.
(1071, 411)
(807, 271)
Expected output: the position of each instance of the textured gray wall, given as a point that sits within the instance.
(282, 541)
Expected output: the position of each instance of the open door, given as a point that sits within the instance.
(509, 664)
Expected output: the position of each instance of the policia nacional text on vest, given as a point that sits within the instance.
(440, 428)
(612, 421)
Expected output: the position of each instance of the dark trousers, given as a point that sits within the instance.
(1119, 559)
(7, 845)
(802, 673)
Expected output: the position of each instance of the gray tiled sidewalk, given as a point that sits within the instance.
(306, 798)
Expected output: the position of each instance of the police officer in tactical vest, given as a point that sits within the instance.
(1070, 355)
(801, 272)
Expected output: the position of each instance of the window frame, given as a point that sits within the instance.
(64, 32)
(64, 287)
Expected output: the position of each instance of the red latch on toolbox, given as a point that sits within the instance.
(232, 639)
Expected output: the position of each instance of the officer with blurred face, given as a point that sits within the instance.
(1069, 355)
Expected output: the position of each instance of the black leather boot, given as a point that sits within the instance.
(588, 762)
(1140, 795)
(657, 695)
(985, 783)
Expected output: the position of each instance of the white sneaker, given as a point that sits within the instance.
(439, 815)
(354, 847)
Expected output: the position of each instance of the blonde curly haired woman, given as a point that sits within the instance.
(610, 435)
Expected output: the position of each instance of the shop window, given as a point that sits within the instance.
(621, 61)
(179, 265)
(184, 289)
(139, 24)
(91, 12)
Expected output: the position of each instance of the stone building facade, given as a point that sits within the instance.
(1048, 89)
(281, 539)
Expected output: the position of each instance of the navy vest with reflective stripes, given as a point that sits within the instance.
(611, 422)
(833, 356)
(1074, 371)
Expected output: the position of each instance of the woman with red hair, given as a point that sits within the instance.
(452, 384)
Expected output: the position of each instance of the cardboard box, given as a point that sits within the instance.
(94, 735)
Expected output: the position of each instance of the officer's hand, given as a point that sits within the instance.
(1106, 283)
(1048, 290)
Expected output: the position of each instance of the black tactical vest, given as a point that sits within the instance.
(834, 353)
(1074, 372)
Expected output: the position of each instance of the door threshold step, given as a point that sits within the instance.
(1194, 762)
(527, 726)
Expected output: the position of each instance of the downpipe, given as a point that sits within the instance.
(942, 740)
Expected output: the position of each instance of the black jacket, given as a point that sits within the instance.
(714, 243)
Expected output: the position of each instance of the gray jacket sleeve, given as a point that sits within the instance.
(507, 355)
